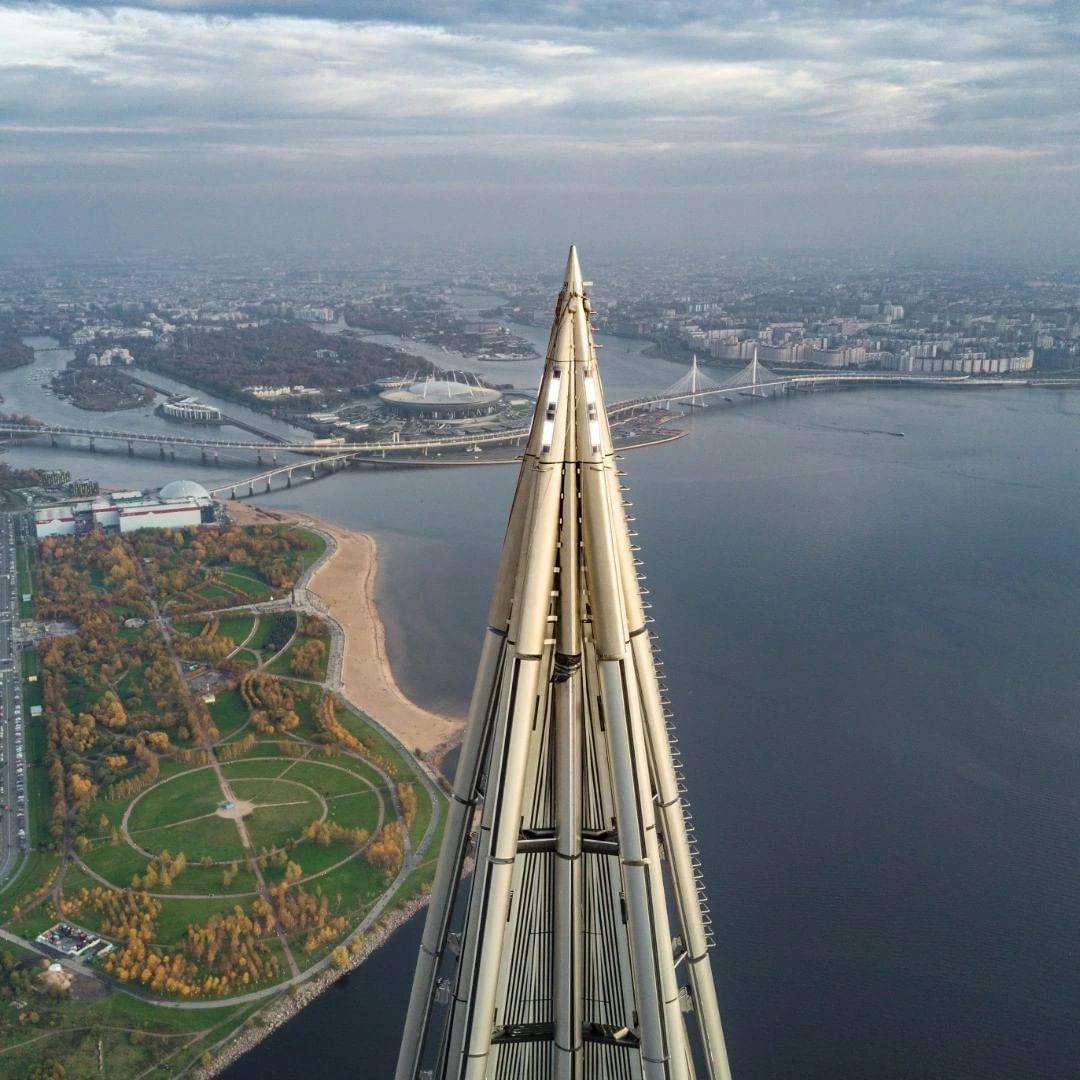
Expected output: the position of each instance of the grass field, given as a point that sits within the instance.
(214, 836)
(38, 800)
(315, 858)
(244, 581)
(423, 814)
(75, 1030)
(364, 809)
(18, 891)
(262, 631)
(280, 664)
(229, 712)
(314, 546)
(24, 562)
(214, 593)
(118, 863)
(380, 744)
(237, 629)
(289, 807)
(191, 794)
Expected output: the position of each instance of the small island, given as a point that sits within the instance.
(13, 353)
(101, 389)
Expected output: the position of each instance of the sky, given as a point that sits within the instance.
(908, 125)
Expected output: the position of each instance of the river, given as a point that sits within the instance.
(873, 659)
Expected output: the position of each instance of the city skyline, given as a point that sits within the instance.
(204, 126)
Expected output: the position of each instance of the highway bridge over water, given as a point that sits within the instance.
(321, 458)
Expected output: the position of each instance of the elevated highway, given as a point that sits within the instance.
(320, 458)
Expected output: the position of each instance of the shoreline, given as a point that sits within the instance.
(345, 585)
(345, 589)
(292, 1000)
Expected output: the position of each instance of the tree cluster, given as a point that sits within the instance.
(324, 714)
(307, 659)
(271, 703)
(386, 852)
(406, 794)
(277, 354)
(326, 833)
(282, 628)
(207, 645)
(161, 871)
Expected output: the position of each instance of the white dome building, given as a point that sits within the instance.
(442, 399)
(183, 489)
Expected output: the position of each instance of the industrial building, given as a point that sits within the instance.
(177, 505)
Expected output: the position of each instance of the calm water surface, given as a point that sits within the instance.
(872, 651)
(873, 656)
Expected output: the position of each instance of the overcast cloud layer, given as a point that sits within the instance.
(924, 125)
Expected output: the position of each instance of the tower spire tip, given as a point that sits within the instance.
(572, 280)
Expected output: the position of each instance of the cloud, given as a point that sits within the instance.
(634, 94)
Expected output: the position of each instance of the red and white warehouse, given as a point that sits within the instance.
(176, 505)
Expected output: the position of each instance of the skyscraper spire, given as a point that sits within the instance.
(576, 950)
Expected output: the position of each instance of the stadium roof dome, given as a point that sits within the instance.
(183, 489)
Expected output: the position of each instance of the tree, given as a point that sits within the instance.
(339, 958)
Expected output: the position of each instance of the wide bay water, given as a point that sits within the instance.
(872, 652)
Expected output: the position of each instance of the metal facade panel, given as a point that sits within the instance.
(581, 927)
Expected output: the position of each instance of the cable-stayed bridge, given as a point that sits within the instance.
(319, 458)
(763, 384)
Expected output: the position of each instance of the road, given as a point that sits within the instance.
(14, 829)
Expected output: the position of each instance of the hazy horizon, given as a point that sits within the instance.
(198, 126)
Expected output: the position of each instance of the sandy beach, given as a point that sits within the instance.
(345, 583)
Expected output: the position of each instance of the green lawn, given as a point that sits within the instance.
(177, 915)
(401, 768)
(359, 884)
(244, 582)
(213, 836)
(210, 881)
(188, 795)
(288, 807)
(118, 863)
(35, 873)
(360, 810)
(314, 858)
(336, 777)
(214, 592)
(237, 629)
(38, 800)
(229, 711)
(32, 695)
(314, 546)
(423, 814)
(255, 766)
(174, 1036)
(24, 562)
(263, 626)
(280, 664)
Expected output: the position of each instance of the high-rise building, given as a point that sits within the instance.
(577, 947)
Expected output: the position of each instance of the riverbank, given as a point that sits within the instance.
(285, 1007)
(345, 583)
